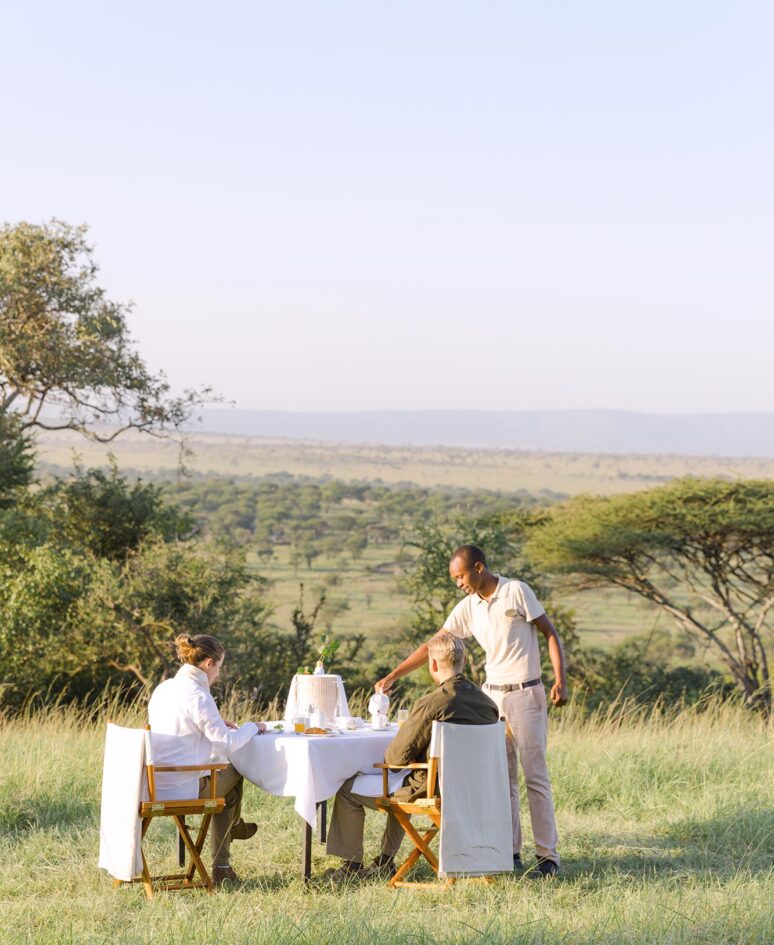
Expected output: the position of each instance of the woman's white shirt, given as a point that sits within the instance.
(186, 729)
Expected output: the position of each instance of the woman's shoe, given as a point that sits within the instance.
(224, 874)
(243, 830)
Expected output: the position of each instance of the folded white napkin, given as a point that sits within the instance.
(372, 785)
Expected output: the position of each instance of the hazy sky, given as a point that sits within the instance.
(331, 205)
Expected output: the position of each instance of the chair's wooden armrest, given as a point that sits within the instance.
(217, 767)
(424, 765)
(385, 768)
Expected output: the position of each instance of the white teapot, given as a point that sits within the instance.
(378, 707)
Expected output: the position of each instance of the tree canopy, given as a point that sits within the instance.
(97, 576)
(66, 357)
(702, 550)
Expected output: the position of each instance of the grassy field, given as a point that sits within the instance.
(667, 836)
(507, 470)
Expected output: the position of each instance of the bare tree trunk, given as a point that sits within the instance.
(131, 668)
(749, 670)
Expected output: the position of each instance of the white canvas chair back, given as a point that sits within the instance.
(124, 786)
(476, 835)
(172, 750)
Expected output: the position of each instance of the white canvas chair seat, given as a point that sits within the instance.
(474, 817)
(130, 803)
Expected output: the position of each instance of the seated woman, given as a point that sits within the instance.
(188, 729)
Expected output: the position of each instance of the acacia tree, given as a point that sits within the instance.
(701, 550)
(67, 361)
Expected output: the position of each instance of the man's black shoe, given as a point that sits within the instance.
(544, 869)
(383, 867)
(518, 866)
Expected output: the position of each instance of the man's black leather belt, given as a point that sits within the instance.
(511, 686)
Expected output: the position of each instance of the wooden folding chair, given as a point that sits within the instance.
(177, 810)
(429, 806)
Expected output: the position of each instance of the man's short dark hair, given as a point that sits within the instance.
(470, 554)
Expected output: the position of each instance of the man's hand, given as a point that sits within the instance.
(230, 724)
(261, 727)
(559, 694)
(385, 685)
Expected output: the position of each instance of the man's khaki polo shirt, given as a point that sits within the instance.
(502, 625)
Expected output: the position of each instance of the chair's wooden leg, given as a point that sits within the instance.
(421, 847)
(146, 876)
(404, 868)
(180, 849)
(200, 838)
(194, 853)
(419, 841)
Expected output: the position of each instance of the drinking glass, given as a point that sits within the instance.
(403, 714)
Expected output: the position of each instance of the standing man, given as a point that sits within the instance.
(504, 616)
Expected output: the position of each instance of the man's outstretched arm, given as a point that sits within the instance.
(416, 659)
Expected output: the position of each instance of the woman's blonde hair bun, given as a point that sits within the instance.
(196, 649)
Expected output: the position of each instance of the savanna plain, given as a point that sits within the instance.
(367, 585)
(445, 466)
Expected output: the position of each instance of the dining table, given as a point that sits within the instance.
(311, 769)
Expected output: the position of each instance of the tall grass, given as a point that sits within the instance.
(667, 835)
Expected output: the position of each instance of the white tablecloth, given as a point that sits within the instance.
(307, 767)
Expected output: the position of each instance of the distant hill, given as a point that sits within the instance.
(587, 431)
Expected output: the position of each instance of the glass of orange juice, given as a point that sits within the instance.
(299, 724)
(403, 714)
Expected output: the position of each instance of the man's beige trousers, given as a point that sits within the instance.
(345, 836)
(524, 711)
